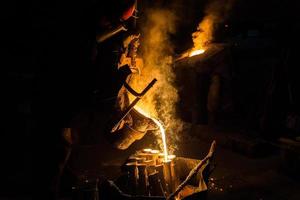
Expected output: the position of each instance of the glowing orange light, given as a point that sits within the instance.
(161, 128)
(147, 150)
(196, 52)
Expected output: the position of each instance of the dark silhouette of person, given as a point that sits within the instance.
(75, 72)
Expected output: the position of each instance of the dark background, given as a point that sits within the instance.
(46, 80)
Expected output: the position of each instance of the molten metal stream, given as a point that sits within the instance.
(163, 136)
(161, 128)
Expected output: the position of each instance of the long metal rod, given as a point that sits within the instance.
(132, 91)
(130, 107)
(104, 36)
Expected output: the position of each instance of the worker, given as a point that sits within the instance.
(82, 83)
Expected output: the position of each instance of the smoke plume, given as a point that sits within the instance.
(160, 101)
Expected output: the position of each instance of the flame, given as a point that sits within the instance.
(204, 33)
(196, 52)
(215, 12)
(161, 128)
(203, 36)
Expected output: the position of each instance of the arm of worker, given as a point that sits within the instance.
(128, 55)
(125, 61)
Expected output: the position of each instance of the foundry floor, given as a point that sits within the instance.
(252, 174)
(237, 176)
(240, 177)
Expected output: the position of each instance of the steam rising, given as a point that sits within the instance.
(160, 101)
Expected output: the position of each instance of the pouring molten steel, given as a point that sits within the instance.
(161, 128)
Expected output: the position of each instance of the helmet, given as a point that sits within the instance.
(129, 8)
(116, 10)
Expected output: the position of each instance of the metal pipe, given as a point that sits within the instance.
(162, 182)
(108, 34)
(133, 175)
(168, 175)
(130, 107)
(143, 179)
(154, 184)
